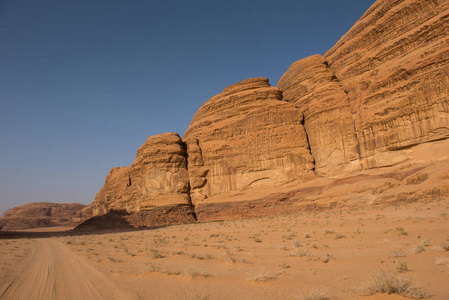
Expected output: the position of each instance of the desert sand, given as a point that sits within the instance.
(339, 254)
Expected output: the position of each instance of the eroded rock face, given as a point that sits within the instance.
(394, 63)
(383, 87)
(40, 214)
(156, 182)
(245, 137)
(251, 150)
(316, 92)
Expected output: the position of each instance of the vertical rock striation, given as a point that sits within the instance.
(317, 93)
(246, 137)
(154, 189)
(383, 88)
(393, 67)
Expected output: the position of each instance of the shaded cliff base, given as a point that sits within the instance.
(422, 174)
(157, 217)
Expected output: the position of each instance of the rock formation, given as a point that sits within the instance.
(39, 214)
(255, 149)
(154, 189)
(316, 92)
(245, 137)
(387, 80)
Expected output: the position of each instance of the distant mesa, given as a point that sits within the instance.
(39, 215)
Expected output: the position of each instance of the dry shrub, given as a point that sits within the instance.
(193, 274)
(426, 243)
(445, 246)
(388, 282)
(263, 278)
(396, 253)
(401, 266)
(301, 253)
(419, 249)
(315, 293)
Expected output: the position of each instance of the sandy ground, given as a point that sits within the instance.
(53, 271)
(338, 254)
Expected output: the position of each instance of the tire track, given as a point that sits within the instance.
(55, 272)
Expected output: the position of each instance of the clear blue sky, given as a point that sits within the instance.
(84, 83)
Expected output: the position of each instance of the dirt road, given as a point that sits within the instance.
(55, 272)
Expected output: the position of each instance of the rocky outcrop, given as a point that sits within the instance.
(254, 149)
(319, 96)
(156, 184)
(246, 137)
(40, 214)
(387, 82)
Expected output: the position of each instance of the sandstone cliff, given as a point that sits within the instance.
(387, 82)
(39, 214)
(319, 96)
(371, 101)
(154, 189)
(245, 137)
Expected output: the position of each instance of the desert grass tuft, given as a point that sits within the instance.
(297, 244)
(339, 236)
(156, 254)
(388, 282)
(445, 246)
(419, 249)
(426, 243)
(193, 274)
(315, 293)
(263, 277)
(396, 253)
(401, 266)
(301, 253)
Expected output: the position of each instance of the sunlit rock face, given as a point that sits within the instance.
(246, 137)
(319, 96)
(382, 88)
(256, 150)
(156, 183)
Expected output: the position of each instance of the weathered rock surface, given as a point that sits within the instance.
(40, 214)
(155, 183)
(371, 101)
(383, 87)
(315, 91)
(244, 138)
